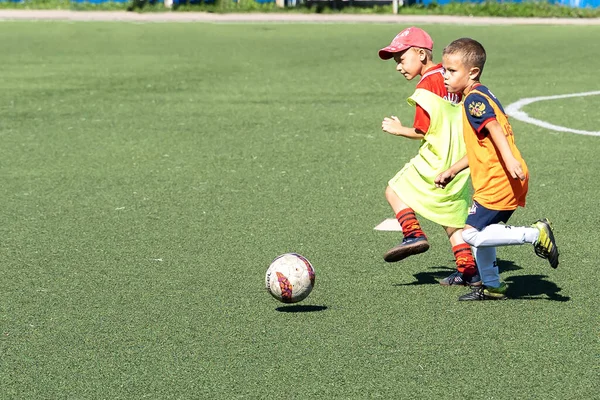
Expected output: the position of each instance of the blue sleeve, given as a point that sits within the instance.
(479, 111)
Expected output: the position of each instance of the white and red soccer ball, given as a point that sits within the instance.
(290, 278)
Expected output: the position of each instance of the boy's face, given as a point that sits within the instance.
(457, 77)
(410, 62)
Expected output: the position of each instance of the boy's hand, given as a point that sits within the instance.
(444, 178)
(515, 169)
(392, 125)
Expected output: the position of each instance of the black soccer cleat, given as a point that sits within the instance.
(460, 279)
(409, 246)
(486, 293)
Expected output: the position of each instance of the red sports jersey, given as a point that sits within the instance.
(432, 81)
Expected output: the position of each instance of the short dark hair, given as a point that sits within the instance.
(472, 52)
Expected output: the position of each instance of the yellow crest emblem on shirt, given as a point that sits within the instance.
(476, 109)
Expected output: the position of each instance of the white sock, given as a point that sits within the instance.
(486, 264)
(500, 235)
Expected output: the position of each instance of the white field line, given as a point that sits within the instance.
(514, 111)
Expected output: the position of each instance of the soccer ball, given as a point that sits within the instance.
(290, 278)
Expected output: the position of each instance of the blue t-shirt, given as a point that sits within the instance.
(478, 109)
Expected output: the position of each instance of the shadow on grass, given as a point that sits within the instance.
(531, 287)
(434, 277)
(526, 287)
(428, 278)
(301, 308)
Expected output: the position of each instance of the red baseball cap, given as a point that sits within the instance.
(410, 37)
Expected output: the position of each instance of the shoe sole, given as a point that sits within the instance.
(484, 298)
(399, 253)
(553, 256)
(495, 296)
(474, 284)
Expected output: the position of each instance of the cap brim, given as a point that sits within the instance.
(388, 52)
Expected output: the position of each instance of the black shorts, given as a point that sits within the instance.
(480, 217)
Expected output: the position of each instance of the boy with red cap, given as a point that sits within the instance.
(438, 124)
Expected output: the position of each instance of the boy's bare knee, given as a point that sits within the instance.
(390, 193)
(395, 202)
(450, 231)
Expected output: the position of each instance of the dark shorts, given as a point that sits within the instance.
(480, 217)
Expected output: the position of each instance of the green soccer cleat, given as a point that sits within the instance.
(545, 246)
(486, 293)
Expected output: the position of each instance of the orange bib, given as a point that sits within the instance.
(493, 186)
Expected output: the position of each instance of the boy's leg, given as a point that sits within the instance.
(488, 268)
(466, 269)
(489, 233)
(415, 241)
(540, 235)
(501, 235)
(474, 233)
(492, 288)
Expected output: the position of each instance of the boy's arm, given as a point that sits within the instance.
(394, 126)
(446, 177)
(514, 167)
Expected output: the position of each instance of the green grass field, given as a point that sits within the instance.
(151, 172)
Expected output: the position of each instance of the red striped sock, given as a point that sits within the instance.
(410, 224)
(465, 263)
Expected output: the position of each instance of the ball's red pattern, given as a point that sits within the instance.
(286, 288)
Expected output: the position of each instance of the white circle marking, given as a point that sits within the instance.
(514, 110)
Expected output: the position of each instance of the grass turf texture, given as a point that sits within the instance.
(150, 173)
